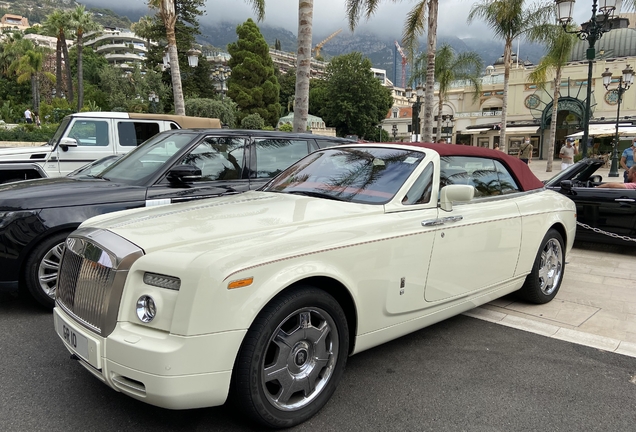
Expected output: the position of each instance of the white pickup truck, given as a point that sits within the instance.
(86, 137)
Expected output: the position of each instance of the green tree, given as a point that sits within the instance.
(253, 121)
(287, 82)
(355, 101)
(179, 26)
(29, 69)
(58, 24)
(559, 45)
(303, 64)
(450, 67)
(225, 109)
(253, 84)
(82, 22)
(509, 20)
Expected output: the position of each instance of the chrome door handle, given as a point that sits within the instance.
(627, 200)
(442, 221)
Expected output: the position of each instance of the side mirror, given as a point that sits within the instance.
(457, 193)
(184, 174)
(67, 142)
(566, 185)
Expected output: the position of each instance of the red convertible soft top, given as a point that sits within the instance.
(526, 179)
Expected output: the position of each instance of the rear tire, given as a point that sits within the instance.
(544, 281)
(292, 358)
(42, 267)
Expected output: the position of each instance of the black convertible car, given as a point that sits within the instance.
(174, 166)
(603, 215)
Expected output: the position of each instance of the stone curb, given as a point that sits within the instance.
(555, 332)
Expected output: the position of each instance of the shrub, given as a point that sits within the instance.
(253, 121)
(29, 133)
(225, 109)
(286, 127)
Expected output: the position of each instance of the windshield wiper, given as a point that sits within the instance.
(317, 195)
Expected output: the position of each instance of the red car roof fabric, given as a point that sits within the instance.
(526, 179)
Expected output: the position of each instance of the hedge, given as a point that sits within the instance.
(29, 133)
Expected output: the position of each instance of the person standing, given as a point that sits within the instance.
(627, 159)
(567, 153)
(525, 151)
(27, 116)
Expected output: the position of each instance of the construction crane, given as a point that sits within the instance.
(319, 45)
(405, 60)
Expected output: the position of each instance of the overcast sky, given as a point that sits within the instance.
(329, 15)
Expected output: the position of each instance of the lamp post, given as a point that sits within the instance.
(154, 100)
(415, 117)
(448, 122)
(592, 32)
(624, 82)
(222, 76)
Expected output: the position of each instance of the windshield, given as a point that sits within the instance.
(368, 175)
(146, 160)
(580, 171)
(59, 131)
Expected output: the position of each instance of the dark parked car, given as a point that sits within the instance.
(173, 166)
(604, 215)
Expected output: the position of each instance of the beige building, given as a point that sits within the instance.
(13, 22)
(529, 113)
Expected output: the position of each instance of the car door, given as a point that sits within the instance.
(94, 141)
(222, 164)
(477, 245)
(611, 210)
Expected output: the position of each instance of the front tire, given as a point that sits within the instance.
(292, 358)
(42, 267)
(544, 281)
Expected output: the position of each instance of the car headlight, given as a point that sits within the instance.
(162, 281)
(146, 309)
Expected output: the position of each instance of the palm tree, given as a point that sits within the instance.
(450, 67)
(559, 45)
(168, 14)
(509, 20)
(82, 22)
(414, 27)
(58, 24)
(303, 66)
(143, 28)
(29, 68)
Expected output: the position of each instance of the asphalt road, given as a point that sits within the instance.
(460, 375)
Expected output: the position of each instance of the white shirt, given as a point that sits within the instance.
(567, 153)
(27, 114)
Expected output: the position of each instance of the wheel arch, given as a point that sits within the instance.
(39, 239)
(339, 291)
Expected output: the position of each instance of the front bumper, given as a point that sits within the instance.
(166, 370)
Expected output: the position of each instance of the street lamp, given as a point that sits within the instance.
(624, 82)
(222, 76)
(448, 122)
(415, 117)
(592, 32)
(154, 100)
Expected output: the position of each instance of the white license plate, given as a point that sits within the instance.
(76, 341)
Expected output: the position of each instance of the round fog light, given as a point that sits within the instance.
(146, 309)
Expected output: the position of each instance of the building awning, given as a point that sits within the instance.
(521, 130)
(475, 131)
(606, 129)
(492, 103)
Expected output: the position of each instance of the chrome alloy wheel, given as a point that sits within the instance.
(49, 268)
(551, 268)
(300, 359)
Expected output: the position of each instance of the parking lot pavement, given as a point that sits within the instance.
(596, 304)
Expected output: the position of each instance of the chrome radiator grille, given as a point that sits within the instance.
(83, 287)
(92, 276)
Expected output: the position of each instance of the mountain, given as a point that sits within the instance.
(380, 50)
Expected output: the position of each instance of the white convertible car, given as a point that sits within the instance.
(262, 296)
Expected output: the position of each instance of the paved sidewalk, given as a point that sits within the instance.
(596, 304)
